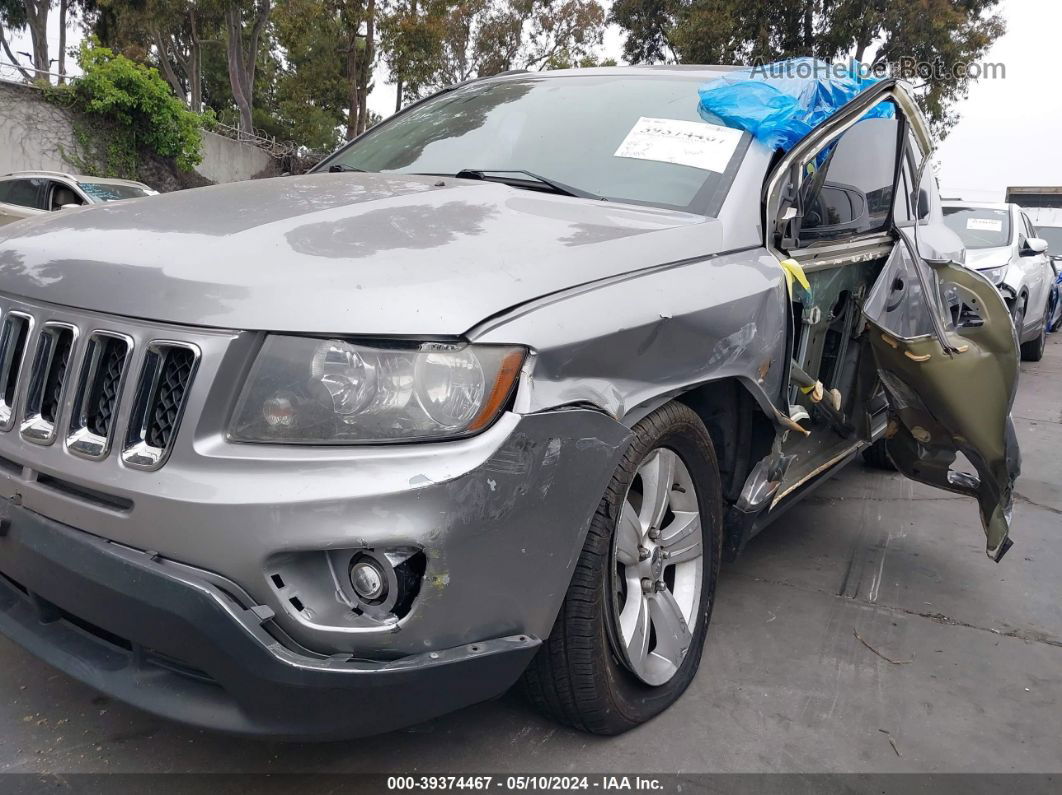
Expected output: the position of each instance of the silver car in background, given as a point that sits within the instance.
(1002, 245)
(25, 194)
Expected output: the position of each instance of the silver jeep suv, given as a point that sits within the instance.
(487, 398)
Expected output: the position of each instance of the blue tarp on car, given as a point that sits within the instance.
(780, 103)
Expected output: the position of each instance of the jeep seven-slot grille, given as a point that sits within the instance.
(47, 381)
(103, 395)
(173, 382)
(14, 333)
(99, 388)
(55, 377)
(42, 364)
(164, 380)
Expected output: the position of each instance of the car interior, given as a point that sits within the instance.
(60, 196)
(854, 191)
(843, 203)
(888, 308)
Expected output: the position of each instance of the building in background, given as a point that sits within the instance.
(1025, 196)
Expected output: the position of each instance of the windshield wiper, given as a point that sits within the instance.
(498, 175)
(337, 167)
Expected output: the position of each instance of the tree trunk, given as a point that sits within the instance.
(353, 100)
(809, 30)
(400, 83)
(367, 62)
(37, 21)
(26, 75)
(63, 6)
(167, 66)
(195, 66)
(242, 63)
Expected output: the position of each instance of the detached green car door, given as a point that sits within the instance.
(947, 355)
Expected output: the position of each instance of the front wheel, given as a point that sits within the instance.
(630, 633)
(1033, 350)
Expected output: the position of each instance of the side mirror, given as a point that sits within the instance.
(1034, 246)
(69, 206)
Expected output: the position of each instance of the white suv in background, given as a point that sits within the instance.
(1002, 245)
(25, 194)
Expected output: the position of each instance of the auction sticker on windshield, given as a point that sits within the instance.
(688, 143)
(984, 224)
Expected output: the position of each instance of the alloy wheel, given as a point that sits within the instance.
(657, 568)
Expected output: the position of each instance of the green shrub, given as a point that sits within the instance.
(134, 101)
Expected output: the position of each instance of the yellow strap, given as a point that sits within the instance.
(792, 269)
(815, 391)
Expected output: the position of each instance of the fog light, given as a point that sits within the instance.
(368, 580)
(383, 583)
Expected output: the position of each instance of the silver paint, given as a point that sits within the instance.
(622, 306)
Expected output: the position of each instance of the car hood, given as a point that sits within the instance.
(981, 258)
(337, 253)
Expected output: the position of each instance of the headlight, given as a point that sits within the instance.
(995, 275)
(303, 390)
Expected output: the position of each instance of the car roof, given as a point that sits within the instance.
(73, 178)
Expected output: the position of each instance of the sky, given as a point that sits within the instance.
(1008, 128)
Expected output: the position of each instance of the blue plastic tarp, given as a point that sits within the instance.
(781, 102)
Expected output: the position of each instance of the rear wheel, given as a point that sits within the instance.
(877, 456)
(629, 636)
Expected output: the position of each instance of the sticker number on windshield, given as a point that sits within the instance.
(984, 224)
(688, 143)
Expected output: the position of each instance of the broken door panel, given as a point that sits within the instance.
(950, 387)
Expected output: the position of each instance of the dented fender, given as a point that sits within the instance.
(667, 330)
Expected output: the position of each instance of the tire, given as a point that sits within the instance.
(1017, 314)
(1033, 350)
(582, 676)
(877, 457)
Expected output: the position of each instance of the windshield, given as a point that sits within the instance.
(107, 192)
(1053, 236)
(979, 227)
(623, 138)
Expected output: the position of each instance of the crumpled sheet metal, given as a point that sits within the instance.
(501, 539)
(905, 316)
(665, 330)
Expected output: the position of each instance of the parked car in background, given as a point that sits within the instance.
(24, 194)
(1002, 245)
(1053, 236)
(486, 398)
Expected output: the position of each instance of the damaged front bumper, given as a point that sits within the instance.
(163, 639)
(206, 608)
